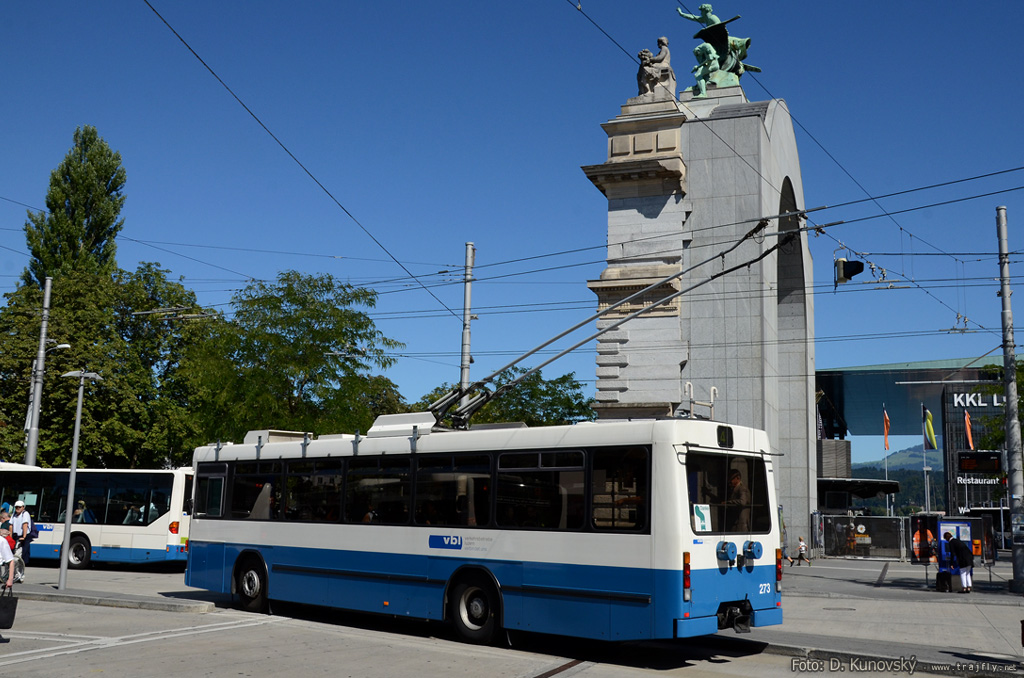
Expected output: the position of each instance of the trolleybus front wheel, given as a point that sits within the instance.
(474, 610)
(251, 584)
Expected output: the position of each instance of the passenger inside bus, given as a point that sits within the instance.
(81, 514)
(133, 516)
(738, 502)
(370, 516)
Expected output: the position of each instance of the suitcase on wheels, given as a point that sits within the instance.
(8, 606)
(944, 581)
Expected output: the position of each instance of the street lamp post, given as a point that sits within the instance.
(66, 544)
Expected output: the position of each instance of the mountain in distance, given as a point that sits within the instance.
(909, 459)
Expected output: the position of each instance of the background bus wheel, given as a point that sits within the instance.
(474, 610)
(79, 553)
(251, 584)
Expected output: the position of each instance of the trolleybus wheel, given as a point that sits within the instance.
(474, 610)
(251, 584)
(79, 552)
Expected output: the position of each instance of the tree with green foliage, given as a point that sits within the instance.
(83, 206)
(535, 401)
(295, 355)
(138, 416)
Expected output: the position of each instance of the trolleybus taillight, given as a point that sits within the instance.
(173, 527)
(686, 576)
(778, 564)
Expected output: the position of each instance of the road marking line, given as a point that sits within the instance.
(100, 643)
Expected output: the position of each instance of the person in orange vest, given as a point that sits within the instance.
(925, 550)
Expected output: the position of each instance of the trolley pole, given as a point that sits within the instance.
(466, 318)
(1013, 442)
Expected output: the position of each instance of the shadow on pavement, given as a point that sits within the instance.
(652, 655)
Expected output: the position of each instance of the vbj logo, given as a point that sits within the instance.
(439, 541)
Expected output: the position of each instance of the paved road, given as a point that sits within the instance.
(839, 615)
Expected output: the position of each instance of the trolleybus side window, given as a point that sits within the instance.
(256, 490)
(542, 490)
(211, 489)
(313, 490)
(728, 493)
(378, 490)
(453, 490)
(621, 489)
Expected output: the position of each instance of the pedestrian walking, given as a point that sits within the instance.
(22, 529)
(801, 553)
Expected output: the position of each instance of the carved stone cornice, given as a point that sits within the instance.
(637, 178)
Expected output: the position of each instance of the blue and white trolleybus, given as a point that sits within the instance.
(609, 530)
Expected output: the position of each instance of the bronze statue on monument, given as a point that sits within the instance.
(720, 56)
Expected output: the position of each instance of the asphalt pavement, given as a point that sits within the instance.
(840, 615)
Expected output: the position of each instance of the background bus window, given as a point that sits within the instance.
(41, 493)
(187, 505)
(620, 489)
(453, 490)
(313, 491)
(377, 490)
(533, 492)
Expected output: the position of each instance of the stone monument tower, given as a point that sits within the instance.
(687, 178)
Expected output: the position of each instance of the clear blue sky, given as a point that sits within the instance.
(438, 123)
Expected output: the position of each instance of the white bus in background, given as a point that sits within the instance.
(118, 516)
(608, 530)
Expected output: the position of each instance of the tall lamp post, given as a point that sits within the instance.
(66, 544)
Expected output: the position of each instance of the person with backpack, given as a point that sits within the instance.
(963, 561)
(23, 528)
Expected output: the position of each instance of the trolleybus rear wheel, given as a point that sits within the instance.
(474, 610)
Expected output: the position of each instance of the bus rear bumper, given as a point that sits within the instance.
(704, 626)
(696, 626)
(766, 617)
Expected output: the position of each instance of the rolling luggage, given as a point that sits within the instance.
(8, 606)
(944, 582)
